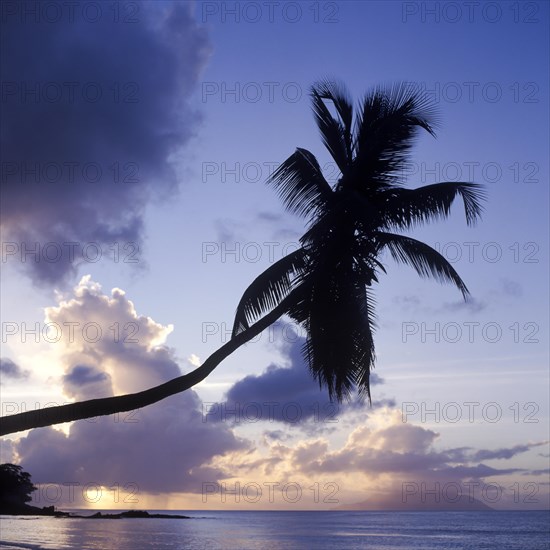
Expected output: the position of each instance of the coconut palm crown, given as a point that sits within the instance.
(326, 285)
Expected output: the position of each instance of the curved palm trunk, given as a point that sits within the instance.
(109, 405)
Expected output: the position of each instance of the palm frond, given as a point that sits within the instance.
(268, 290)
(426, 261)
(300, 183)
(340, 345)
(405, 208)
(389, 120)
(331, 89)
(333, 131)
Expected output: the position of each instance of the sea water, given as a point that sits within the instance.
(500, 530)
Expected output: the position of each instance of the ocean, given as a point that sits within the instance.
(499, 530)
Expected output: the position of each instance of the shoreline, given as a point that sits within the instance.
(50, 511)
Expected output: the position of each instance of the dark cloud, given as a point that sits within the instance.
(100, 109)
(9, 369)
(276, 435)
(505, 453)
(86, 382)
(81, 374)
(284, 394)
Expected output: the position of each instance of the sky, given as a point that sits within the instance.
(136, 141)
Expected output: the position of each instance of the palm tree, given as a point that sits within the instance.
(325, 285)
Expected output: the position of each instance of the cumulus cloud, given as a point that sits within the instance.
(382, 456)
(164, 448)
(95, 116)
(99, 334)
(401, 449)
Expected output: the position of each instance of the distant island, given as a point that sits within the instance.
(27, 510)
(16, 488)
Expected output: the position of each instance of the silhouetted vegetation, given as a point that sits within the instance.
(326, 285)
(16, 490)
(15, 486)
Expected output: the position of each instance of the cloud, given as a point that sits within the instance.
(505, 453)
(275, 435)
(408, 301)
(510, 287)
(86, 382)
(228, 231)
(95, 116)
(171, 448)
(287, 394)
(281, 229)
(9, 369)
(164, 448)
(81, 374)
(471, 305)
(507, 288)
(270, 217)
(7, 452)
(378, 458)
(402, 449)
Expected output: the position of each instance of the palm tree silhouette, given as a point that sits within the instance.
(325, 285)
